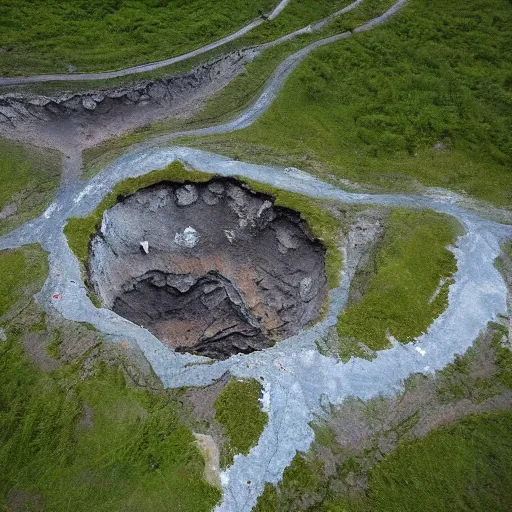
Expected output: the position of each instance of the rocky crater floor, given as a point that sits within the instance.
(213, 269)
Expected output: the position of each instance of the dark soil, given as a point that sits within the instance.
(212, 269)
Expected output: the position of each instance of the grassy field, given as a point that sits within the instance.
(87, 440)
(29, 177)
(238, 408)
(424, 98)
(133, 454)
(399, 287)
(464, 467)
(234, 98)
(44, 36)
(298, 14)
(23, 273)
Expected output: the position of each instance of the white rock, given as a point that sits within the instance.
(3, 335)
(88, 103)
(265, 206)
(230, 235)
(186, 195)
(145, 246)
(189, 238)
(420, 351)
(305, 289)
(216, 187)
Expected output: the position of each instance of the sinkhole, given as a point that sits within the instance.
(213, 269)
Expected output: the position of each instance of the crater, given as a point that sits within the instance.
(213, 269)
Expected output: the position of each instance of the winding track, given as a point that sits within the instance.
(143, 68)
(272, 87)
(298, 379)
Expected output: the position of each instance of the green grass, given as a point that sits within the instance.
(300, 478)
(23, 273)
(246, 87)
(399, 300)
(53, 348)
(79, 231)
(373, 108)
(238, 408)
(298, 14)
(503, 355)
(90, 443)
(135, 455)
(482, 372)
(323, 225)
(43, 36)
(29, 177)
(467, 466)
(459, 468)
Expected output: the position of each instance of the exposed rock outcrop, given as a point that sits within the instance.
(225, 273)
(17, 107)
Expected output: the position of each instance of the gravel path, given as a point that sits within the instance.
(298, 379)
(299, 382)
(156, 65)
(143, 68)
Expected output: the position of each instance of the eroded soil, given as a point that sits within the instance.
(212, 269)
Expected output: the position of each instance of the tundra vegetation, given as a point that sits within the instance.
(405, 284)
(425, 99)
(465, 466)
(87, 437)
(238, 409)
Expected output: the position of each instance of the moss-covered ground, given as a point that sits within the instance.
(45, 36)
(463, 467)
(23, 273)
(407, 284)
(424, 98)
(238, 409)
(83, 435)
(29, 177)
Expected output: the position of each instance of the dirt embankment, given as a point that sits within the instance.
(83, 119)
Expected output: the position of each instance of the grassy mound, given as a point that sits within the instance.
(408, 287)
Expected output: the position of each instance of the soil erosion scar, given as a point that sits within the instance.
(212, 269)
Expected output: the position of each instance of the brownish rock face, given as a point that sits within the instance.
(213, 269)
